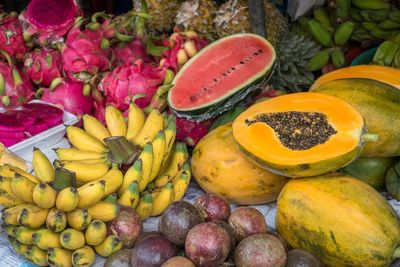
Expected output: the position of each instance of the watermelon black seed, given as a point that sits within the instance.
(298, 130)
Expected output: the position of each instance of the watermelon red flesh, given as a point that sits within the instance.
(220, 70)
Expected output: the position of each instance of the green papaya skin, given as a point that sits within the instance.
(392, 181)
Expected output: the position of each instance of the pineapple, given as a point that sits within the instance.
(198, 15)
(233, 17)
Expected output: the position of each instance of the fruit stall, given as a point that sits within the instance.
(259, 133)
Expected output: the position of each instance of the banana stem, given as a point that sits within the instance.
(121, 150)
(63, 179)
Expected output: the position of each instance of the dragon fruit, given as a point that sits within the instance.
(15, 87)
(126, 81)
(48, 21)
(182, 46)
(71, 96)
(11, 39)
(130, 52)
(43, 66)
(191, 132)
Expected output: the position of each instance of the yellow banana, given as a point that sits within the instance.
(10, 215)
(85, 172)
(79, 219)
(133, 174)
(88, 161)
(9, 229)
(84, 141)
(104, 211)
(8, 202)
(42, 166)
(153, 124)
(95, 233)
(76, 154)
(131, 196)
(109, 246)
(83, 257)
(23, 187)
(136, 121)
(59, 257)
(170, 135)
(10, 171)
(67, 199)
(45, 239)
(5, 185)
(24, 234)
(162, 199)
(181, 184)
(115, 121)
(95, 128)
(113, 179)
(159, 146)
(147, 163)
(44, 196)
(37, 256)
(7, 157)
(90, 193)
(145, 206)
(72, 239)
(32, 216)
(56, 220)
(20, 248)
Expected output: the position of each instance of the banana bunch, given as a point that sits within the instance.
(388, 52)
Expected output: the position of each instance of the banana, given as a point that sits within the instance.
(5, 185)
(24, 234)
(379, 15)
(181, 184)
(366, 16)
(162, 199)
(371, 4)
(319, 60)
(109, 246)
(32, 216)
(95, 233)
(136, 121)
(67, 199)
(321, 15)
(8, 202)
(42, 166)
(104, 211)
(10, 171)
(37, 256)
(111, 198)
(145, 206)
(20, 248)
(131, 196)
(115, 121)
(337, 57)
(10, 215)
(72, 239)
(44, 196)
(343, 33)
(133, 174)
(360, 34)
(83, 257)
(72, 154)
(59, 257)
(85, 172)
(342, 10)
(146, 156)
(170, 135)
(396, 60)
(159, 146)
(104, 160)
(386, 53)
(45, 239)
(90, 193)
(23, 187)
(9, 229)
(394, 15)
(95, 128)
(84, 141)
(389, 24)
(56, 220)
(319, 33)
(153, 124)
(113, 179)
(79, 219)
(382, 34)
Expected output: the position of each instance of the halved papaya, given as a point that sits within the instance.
(301, 134)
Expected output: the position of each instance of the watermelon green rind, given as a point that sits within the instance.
(231, 97)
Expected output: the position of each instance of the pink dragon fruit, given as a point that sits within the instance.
(191, 132)
(182, 46)
(48, 21)
(126, 81)
(11, 39)
(43, 66)
(72, 96)
(15, 87)
(130, 52)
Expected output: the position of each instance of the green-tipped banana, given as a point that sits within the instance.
(56, 220)
(95, 233)
(337, 57)
(72, 239)
(386, 53)
(110, 245)
(67, 199)
(59, 257)
(45, 239)
(322, 35)
(44, 196)
(319, 60)
(371, 4)
(24, 234)
(9, 229)
(343, 33)
(33, 216)
(37, 256)
(20, 248)
(79, 219)
(83, 257)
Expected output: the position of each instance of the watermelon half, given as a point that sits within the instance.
(221, 75)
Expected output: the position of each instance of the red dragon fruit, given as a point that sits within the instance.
(72, 96)
(191, 132)
(182, 46)
(126, 81)
(48, 21)
(130, 52)
(11, 38)
(15, 87)
(43, 66)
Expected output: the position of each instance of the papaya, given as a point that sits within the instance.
(392, 181)
(344, 221)
(370, 170)
(219, 167)
(383, 74)
(300, 134)
(379, 104)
